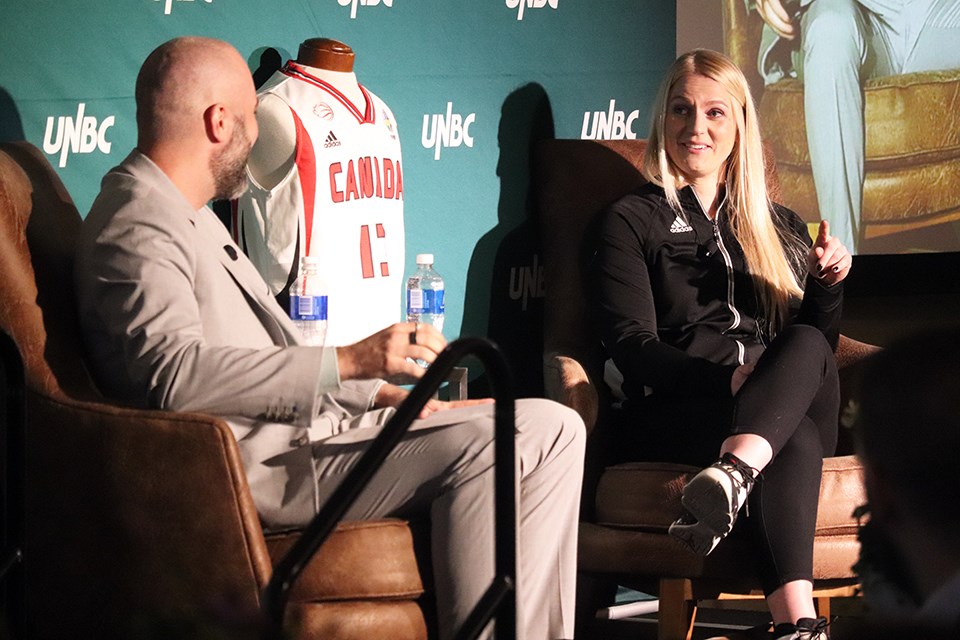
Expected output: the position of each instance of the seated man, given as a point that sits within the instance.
(175, 317)
(908, 429)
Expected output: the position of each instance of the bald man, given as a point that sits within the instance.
(175, 317)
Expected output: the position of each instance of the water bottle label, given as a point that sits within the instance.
(308, 307)
(415, 301)
(425, 301)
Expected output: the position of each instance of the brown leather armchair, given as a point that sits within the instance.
(628, 507)
(140, 523)
(912, 138)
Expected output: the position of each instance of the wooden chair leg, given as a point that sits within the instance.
(823, 607)
(678, 610)
(593, 592)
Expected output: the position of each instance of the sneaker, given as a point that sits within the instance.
(712, 500)
(805, 629)
(696, 535)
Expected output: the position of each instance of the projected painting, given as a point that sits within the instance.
(858, 99)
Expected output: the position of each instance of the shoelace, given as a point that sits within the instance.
(817, 631)
(813, 629)
(730, 463)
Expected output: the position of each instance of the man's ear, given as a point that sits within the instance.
(217, 123)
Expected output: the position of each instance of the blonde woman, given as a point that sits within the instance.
(722, 316)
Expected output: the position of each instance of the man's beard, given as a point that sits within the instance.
(229, 167)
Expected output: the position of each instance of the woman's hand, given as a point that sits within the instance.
(828, 260)
(740, 375)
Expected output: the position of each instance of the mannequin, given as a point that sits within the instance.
(273, 154)
(326, 180)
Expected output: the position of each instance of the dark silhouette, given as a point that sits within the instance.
(504, 291)
(11, 127)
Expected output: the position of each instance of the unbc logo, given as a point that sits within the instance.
(451, 130)
(76, 135)
(168, 4)
(521, 5)
(609, 125)
(527, 282)
(363, 3)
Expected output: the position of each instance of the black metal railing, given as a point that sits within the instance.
(12, 486)
(499, 600)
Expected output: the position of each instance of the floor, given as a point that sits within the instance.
(731, 619)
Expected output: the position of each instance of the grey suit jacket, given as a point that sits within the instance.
(175, 317)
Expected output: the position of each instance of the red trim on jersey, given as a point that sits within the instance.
(370, 115)
(294, 70)
(306, 162)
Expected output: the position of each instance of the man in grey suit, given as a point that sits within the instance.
(175, 317)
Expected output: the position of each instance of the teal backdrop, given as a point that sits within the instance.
(516, 70)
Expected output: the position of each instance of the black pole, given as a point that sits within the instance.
(500, 598)
(13, 487)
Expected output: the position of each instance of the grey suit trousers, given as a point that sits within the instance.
(443, 468)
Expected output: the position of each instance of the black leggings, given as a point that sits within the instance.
(792, 399)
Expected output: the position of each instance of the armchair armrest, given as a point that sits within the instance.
(136, 515)
(566, 381)
(850, 351)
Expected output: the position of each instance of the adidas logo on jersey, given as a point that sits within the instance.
(680, 226)
(331, 141)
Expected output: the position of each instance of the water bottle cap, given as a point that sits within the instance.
(311, 260)
(424, 258)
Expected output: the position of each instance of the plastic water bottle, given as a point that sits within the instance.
(425, 295)
(308, 303)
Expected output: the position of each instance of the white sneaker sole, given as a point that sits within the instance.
(707, 501)
(697, 536)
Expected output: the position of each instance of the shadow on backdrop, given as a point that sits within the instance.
(11, 127)
(268, 61)
(504, 289)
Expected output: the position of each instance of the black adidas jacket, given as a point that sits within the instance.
(676, 309)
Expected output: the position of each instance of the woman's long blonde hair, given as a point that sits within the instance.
(775, 258)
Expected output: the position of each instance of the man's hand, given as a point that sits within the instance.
(392, 396)
(387, 352)
(776, 16)
(828, 260)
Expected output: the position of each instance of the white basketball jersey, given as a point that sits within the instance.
(341, 202)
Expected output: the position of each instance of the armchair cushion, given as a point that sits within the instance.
(360, 560)
(645, 496)
(636, 502)
(901, 153)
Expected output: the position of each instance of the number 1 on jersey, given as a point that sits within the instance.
(366, 252)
